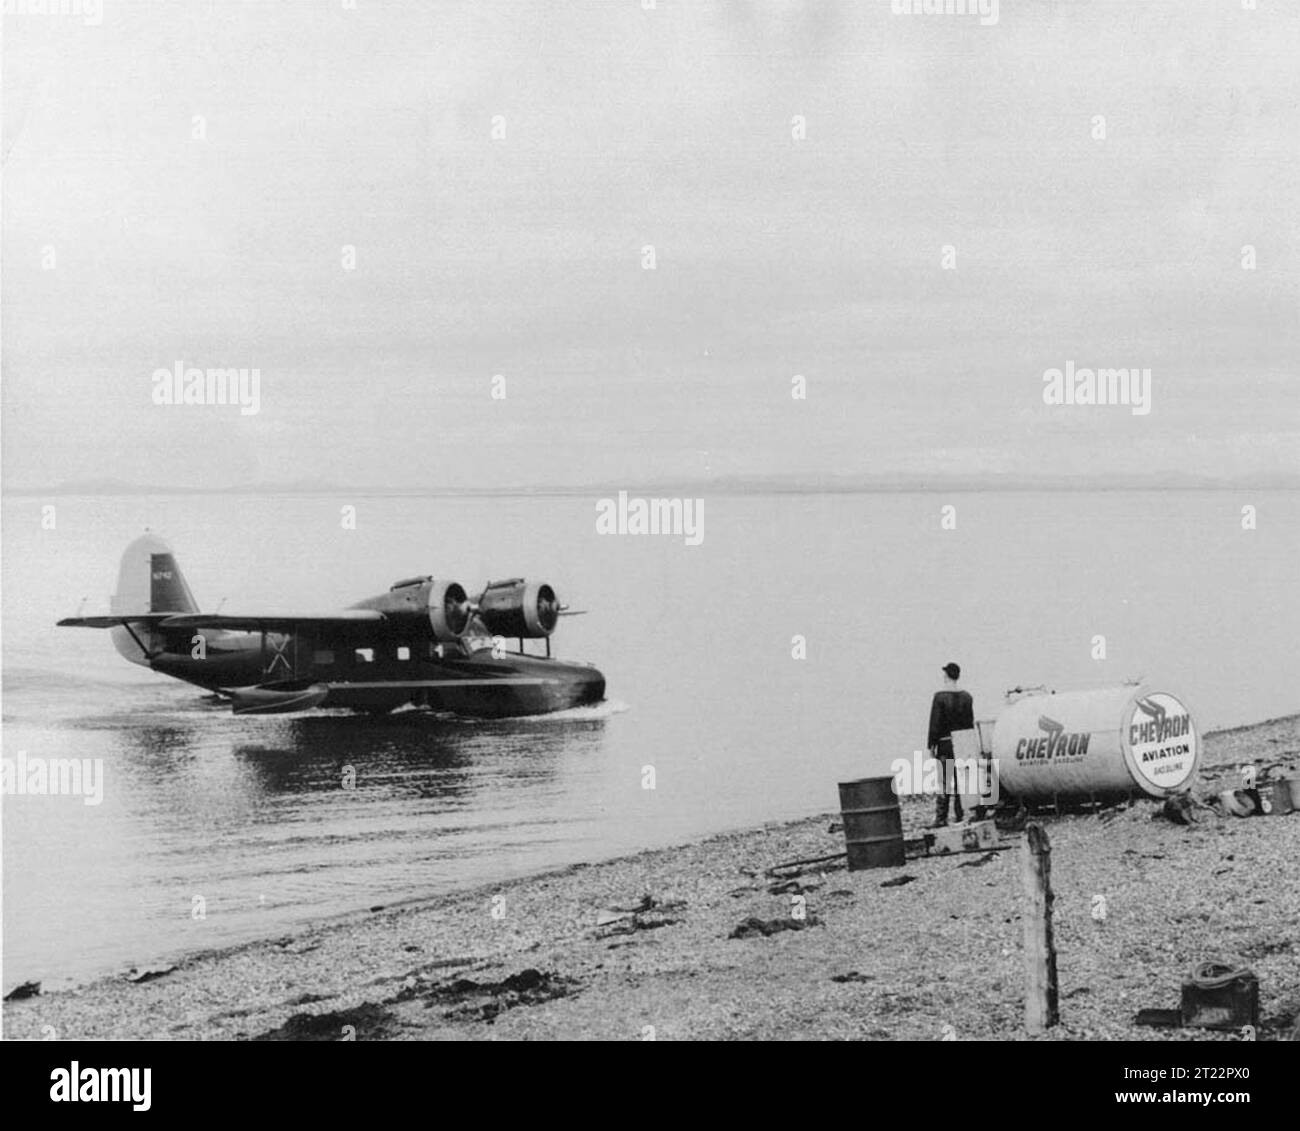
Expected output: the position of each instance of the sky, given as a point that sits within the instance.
(182, 181)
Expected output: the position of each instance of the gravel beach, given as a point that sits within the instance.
(643, 947)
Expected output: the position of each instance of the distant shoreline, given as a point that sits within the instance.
(1072, 487)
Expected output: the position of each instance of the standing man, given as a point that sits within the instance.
(952, 709)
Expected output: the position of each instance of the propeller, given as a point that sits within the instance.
(548, 607)
(458, 607)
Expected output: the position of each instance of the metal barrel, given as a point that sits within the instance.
(873, 825)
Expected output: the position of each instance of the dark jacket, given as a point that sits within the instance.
(950, 711)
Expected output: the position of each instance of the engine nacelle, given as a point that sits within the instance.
(424, 607)
(527, 610)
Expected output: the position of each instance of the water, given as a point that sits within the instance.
(251, 816)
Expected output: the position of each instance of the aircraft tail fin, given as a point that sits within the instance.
(150, 581)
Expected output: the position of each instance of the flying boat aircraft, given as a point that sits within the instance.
(424, 642)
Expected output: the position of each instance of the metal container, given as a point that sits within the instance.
(1228, 1002)
(1294, 786)
(974, 769)
(1112, 741)
(974, 836)
(873, 825)
(1279, 797)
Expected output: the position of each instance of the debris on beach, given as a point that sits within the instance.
(979, 862)
(23, 991)
(484, 1001)
(291, 945)
(789, 869)
(754, 927)
(898, 881)
(366, 1022)
(853, 976)
(1269, 945)
(1180, 809)
(648, 914)
(647, 903)
(1266, 789)
(628, 922)
(1008, 820)
(793, 887)
(1235, 802)
(148, 973)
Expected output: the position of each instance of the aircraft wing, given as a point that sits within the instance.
(341, 620)
(113, 621)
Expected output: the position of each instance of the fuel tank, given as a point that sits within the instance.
(1099, 743)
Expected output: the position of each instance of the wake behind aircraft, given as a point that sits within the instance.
(423, 642)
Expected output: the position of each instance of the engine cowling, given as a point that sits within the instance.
(425, 606)
(527, 610)
(449, 610)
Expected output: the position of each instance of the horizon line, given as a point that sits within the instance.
(736, 486)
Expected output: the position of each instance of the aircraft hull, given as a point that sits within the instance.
(563, 686)
(509, 687)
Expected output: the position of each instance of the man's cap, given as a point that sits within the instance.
(952, 671)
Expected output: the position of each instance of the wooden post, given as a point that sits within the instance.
(1041, 1006)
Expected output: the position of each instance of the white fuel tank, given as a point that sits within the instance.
(1114, 740)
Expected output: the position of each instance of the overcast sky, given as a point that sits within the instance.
(522, 256)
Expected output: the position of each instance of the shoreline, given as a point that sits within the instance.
(640, 945)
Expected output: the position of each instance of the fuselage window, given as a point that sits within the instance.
(365, 655)
(403, 652)
(323, 657)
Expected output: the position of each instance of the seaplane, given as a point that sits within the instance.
(424, 642)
